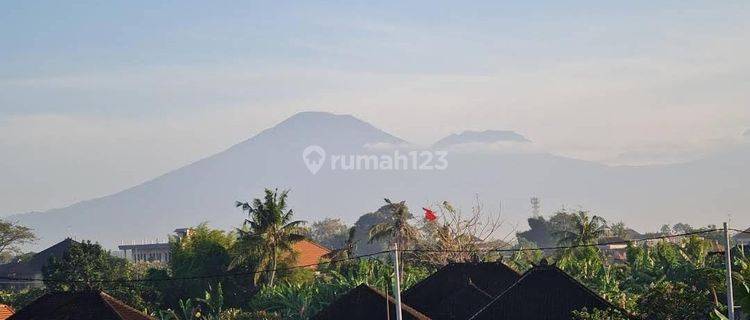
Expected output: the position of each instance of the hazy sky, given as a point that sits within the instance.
(98, 96)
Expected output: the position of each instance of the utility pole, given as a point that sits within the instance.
(397, 283)
(728, 256)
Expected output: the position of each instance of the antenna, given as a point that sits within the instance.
(535, 206)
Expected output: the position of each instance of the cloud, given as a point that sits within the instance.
(500, 147)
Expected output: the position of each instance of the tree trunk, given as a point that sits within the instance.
(716, 297)
(273, 267)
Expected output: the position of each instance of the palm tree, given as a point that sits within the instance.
(581, 229)
(268, 234)
(347, 251)
(396, 228)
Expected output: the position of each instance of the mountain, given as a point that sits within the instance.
(487, 136)
(699, 192)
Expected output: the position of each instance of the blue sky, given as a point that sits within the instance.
(108, 94)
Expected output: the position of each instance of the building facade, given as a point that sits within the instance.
(152, 252)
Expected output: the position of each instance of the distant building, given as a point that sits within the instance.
(152, 252)
(615, 248)
(86, 305)
(309, 253)
(32, 268)
(742, 238)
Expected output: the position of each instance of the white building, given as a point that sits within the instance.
(151, 252)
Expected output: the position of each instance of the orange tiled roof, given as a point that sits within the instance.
(6, 311)
(309, 252)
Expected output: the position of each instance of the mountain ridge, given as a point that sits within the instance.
(205, 190)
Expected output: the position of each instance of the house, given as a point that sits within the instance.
(152, 252)
(308, 253)
(6, 311)
(86, 305)
(366, 303)
(615, 248)
(543, 293)
(32, 267)
(742, 238)
(458, 290)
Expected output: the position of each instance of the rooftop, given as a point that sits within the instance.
(544, 292)
(87, 305)
(366, 303)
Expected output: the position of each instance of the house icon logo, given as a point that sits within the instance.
(314, 158)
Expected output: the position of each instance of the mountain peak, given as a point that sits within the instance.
(324, 128)
(486, 136)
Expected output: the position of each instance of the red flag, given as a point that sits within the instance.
(429, 214)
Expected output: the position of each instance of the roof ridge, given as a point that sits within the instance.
(109, 300)
(316, 243)
(580, 284)
(389, 298)
(500, 295)
(545, 268)
(474, 286)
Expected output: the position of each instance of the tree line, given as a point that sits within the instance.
(247, 273)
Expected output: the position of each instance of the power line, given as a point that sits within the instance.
(237, 274)
(566, 247)
(221, 275)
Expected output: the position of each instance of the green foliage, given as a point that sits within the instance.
(204, 252)
(13, 236)
(580, 229)
(397, 227)
(741, 277)
(673, 301)
(717, 315)
(526, 257)
(292, 300)
(86, 266)
(268, 235)
(329, 232)
(597, 314)
(660, 280)
(20, 298)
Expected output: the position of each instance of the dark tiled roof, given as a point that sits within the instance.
(743, 235)
(366, 303)
(88, 305)
(431, 293)
(462, 304)
(544, 293)
(34, 265)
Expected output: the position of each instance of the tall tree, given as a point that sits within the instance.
(349, 247)
(396, 228)
(85, 266)
(329, 232)
(12, 236)
(268, 234)
(582, 229)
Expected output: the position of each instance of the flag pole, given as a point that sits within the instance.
(397, 284)
(728, 256)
